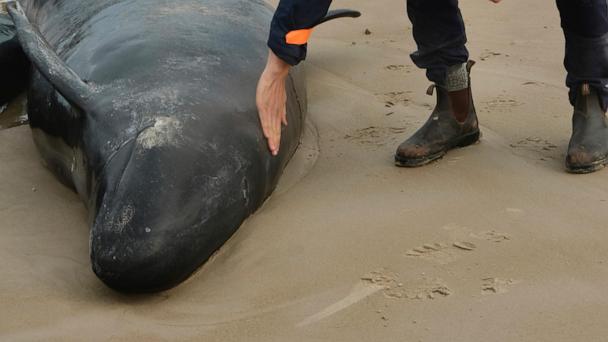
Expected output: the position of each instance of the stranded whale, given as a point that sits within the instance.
(147, 109)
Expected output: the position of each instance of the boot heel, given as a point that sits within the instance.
(469, 139)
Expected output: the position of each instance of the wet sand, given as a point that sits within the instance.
(493, 243)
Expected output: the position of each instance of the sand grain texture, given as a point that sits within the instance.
(351, 248)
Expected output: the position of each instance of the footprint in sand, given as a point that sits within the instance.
(542, 146)
(390, 285)
(441, 252)
(399, 67)
(497, 285)
(393, 98)
(515, 211)
(487, 54)
(447, 252)
(492, 236)
(500, 104)
(413, 289)
(376, 136)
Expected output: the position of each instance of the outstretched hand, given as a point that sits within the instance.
(271, 100)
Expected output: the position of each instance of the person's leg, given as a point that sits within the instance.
(585, 25)
(440, 35)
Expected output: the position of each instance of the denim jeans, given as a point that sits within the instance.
(440, 35)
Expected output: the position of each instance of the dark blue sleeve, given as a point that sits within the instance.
(292, 15)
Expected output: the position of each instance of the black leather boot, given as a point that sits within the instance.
(588, 149)
(442, 132)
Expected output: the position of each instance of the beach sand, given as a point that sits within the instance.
(493, 243)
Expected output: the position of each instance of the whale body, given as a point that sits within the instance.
(147, 109)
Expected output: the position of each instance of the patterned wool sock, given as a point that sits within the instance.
(457, 77)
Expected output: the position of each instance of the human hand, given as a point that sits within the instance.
(271, 100)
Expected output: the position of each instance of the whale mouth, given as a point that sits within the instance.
(135, 259)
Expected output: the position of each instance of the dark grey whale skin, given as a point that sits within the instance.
(14, 66)
(165, 148)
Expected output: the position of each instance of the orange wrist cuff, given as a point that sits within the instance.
(298, 37)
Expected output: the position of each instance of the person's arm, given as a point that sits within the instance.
(291, 26)
(271, 100)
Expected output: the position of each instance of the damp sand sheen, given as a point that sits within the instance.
(493, 243)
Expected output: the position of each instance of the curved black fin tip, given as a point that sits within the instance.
(340, 13)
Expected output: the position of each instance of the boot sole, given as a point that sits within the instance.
(463, 141)
(584, 169)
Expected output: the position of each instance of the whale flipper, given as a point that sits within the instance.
(42, 56)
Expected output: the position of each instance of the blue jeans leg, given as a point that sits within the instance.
(440, 35)
(585, 25)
